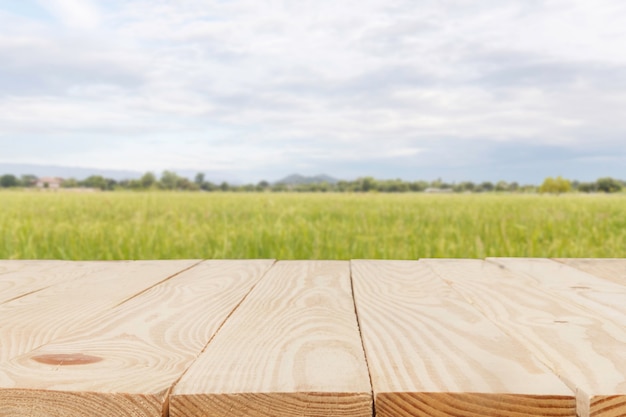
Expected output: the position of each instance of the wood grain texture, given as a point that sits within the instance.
(292, 348)
(584, 349)
(68, 307)
(130, 358)
(430, 353)
(35, 403)
(21, 278)
(611, 269)
(599, 296)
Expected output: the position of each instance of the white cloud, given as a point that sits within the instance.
(76, 14)
(298, 82)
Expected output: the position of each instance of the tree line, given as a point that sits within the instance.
(170, 180)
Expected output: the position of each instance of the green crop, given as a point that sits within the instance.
(170, 225)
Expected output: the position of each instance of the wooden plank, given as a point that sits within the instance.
(599, 296)
(60, 310)
(8, 266)
(611, 269)
(430, 353)
(126, 363)
(20, 278)
(292, 348)
(585, 350)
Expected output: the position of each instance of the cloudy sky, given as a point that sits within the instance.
(257, 89)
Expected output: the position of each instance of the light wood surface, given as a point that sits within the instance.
(135, 352)
(502, 337)
(292, 348)
(611, 269)
(599, 296)
(71, 306)
(586, 350)
(431, 353)
(21, 278)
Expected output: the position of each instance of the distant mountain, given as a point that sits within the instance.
(296, 179)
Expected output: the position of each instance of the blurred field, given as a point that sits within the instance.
(168, 225)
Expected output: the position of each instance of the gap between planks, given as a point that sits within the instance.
(166, 408)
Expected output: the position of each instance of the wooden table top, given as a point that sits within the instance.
(435, 337)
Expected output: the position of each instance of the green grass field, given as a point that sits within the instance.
(162, 225)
